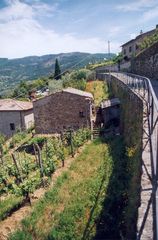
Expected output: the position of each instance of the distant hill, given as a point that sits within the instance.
(12, 71)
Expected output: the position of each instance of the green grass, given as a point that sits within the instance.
(8, 205)
(99, 91)
(88, 201)
(70, 209)
(52, 160)
(102, 64)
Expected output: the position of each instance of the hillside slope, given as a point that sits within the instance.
(12, 71)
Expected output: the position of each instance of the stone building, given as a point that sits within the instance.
(15, 115)
(131, 48)
(69, 108)
(146, 63)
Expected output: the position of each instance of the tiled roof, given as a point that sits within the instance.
(128, 42)
(14, 105)
(78, 92)
(140, 36)
(110, 103)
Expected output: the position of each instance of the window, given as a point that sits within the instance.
(124, 51)
(93, 110)
(12, 126)
(81, 114)
(130, 49)
(137, 46)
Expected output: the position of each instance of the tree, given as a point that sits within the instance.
(21, 90)
(57, 73)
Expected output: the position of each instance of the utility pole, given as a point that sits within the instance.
(109, 49)
(110, 64)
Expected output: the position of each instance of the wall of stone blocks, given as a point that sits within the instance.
(146, 63)
(131, 119)
(61, 111)
(21, 119)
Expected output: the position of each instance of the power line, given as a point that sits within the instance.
(76, 64)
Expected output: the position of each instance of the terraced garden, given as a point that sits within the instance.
(30, 167)
(74, 207)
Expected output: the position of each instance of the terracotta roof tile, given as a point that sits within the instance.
(78, 92)
(14, 105)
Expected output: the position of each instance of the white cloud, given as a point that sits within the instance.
(114, 31)
(22, 35)
(27, 37)
(150, 14)
(136, 5)
(16, 9)
(133, 35)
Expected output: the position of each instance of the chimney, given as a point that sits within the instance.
(141, 32)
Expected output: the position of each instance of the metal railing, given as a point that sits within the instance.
(142, 87)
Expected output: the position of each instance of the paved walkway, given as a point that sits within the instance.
(155, 86)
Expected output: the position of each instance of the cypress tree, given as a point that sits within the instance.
(57, 71)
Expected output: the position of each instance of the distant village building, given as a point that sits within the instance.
(15, 115)
(132, 48)
(67, 109)
(32, 94)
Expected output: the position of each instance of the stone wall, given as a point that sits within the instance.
(131, 109)
(21, 120)
(131, 120)
(146, 63)
(28, 119)
(60, 111)
(9, 117)
(123, 67)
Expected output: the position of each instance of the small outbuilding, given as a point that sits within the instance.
(60, 111)
(111, 112)
(15, 115)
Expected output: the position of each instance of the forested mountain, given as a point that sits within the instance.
(12, 71)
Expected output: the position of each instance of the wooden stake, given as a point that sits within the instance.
(40, 160)
(46, 142)
(36, 157)
(71, 143)
(17, 168)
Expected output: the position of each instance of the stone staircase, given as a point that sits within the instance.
(96, 133)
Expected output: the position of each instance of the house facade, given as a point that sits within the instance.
(15, 115)
(58, 112)
(132, 48)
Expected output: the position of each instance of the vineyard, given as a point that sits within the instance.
(65, 209)
(86, 199)
(29, 166)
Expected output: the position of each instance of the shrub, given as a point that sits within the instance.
(17, 138)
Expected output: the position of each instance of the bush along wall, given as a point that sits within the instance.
(131, 128)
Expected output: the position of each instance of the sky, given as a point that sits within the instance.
(38, 27)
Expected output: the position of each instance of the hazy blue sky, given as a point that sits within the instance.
(37, 27)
